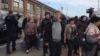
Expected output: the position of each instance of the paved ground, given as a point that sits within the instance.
(21, 52)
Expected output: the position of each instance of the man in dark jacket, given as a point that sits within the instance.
(55, 36)
(46, 31)
(26, 19)
(12, 28)
(64, 22)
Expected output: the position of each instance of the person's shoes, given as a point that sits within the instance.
(27, 51)
(38, 48)
(14, 49)
(44, 54)
(8, 52)
(75, 52)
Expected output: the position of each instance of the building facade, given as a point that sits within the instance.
(25, 7)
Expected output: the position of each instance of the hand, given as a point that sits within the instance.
(76, 33)
(39, 34)
(46, 44)
(36, 35)
(98, 37)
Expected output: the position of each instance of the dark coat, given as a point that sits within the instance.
(24, 23)
(82, 26)
(12, 25)
(48, 33)
(46, 29)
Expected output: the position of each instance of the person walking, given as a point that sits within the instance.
(30, 34)
(46, 31)
(93, 31)
(55, 36)
(38, 23)
(12, 29)
(69, 35)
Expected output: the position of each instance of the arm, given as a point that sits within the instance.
(65, 36)
(35, 27)
(25, 30)
(42, 27)
(93, 32)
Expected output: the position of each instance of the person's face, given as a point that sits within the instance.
(38, 18)
(72, 22)
(84, 19)
(31, 20)
(47, 16)
(57, 16)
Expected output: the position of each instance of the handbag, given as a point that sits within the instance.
(91, 39)
(81, 41)
(86, 41)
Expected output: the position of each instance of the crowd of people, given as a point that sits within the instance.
(81, 35)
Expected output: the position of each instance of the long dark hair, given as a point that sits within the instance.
(94, 19)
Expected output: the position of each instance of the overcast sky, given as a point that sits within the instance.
(72, 7)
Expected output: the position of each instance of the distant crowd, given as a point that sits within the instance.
(80, 35)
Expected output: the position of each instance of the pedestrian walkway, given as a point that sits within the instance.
(21, 52)
(33, 51)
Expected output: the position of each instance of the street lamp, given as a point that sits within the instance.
(61, 9)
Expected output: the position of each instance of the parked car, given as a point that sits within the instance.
(3, 28)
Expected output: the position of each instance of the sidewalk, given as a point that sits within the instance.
(33, 52)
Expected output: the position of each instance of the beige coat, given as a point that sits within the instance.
(67, 32)
(93, 30)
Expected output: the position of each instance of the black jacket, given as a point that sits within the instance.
(46, 25)
(24, 23)
(48, 38)
(82, 26)
(11, 23)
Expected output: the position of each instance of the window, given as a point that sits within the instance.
(18, 3)
(38, 10)
(21, 4)
(16, 0)
(31, 8)
(4, 1)
(28, 6)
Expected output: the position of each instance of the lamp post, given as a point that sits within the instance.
(61, 9)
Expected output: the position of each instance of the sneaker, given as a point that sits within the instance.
(44, 55)
(38, 48)
(14, 49)
(27, 51)
(75, 52)
(46, 52)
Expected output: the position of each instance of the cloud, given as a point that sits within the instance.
(75, 7)
(76, 3)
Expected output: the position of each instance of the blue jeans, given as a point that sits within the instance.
(37, 42)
